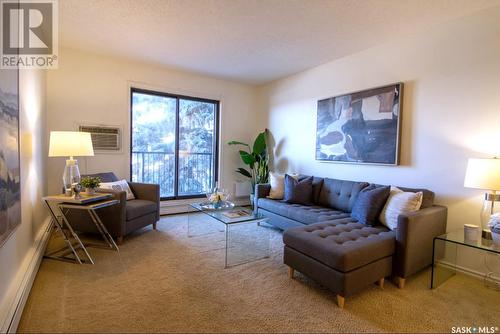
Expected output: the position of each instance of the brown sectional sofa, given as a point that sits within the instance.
(324, 242)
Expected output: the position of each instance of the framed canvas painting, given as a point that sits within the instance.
(361, 127)
(10, 187)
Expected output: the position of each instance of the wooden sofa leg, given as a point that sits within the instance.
(400, 282)
(380, 283)
(119, 240)
(291, 271)
(154, 225)
(340, 301)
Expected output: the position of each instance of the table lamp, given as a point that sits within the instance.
(485, 174)
(70, 144)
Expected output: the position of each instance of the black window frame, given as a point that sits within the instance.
(177, 111)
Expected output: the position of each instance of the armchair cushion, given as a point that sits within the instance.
(138, 207)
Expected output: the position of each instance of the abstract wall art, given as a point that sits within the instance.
(10, 187)
(361, 127)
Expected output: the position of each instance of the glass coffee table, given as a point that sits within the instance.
(445, 257)
(245, 240)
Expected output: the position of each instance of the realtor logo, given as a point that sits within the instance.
(29, 34)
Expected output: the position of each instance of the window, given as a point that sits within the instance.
(174, 143)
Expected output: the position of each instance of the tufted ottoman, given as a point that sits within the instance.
(343, 255)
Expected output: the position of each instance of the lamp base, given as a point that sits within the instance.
(71, 176)
(486, 234)
(492, 197)
(490, 207)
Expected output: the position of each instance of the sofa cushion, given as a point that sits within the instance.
(313, 214)
(340, 194)
(275, 206)
(136, 208)
(299, 192)
(369, 204)
(305, 214)
(342, 244)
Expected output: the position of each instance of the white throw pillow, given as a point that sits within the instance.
(399, 202)
(277, 182)
(121, 185)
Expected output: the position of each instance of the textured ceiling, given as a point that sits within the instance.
(252, 41)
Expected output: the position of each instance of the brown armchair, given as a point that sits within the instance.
(127, 216)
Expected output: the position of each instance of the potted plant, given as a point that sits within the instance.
(256, 158)
(90, 184)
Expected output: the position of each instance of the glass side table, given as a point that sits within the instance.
(244, 241)
(445, 252)
(58, 206)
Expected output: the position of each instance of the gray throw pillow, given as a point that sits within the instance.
(317, 183)
(298, 192)
(369, 204)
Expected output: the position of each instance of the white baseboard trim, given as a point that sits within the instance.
(182, 206)
(468, 271)
(22, 286)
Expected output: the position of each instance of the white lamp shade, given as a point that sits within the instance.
(70, 144)
(483, 174)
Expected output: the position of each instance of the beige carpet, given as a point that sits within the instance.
(163, 281)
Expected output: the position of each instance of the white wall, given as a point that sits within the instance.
(451, 109)
(18, 252)
(94, 89)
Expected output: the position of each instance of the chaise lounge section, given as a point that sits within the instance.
(324, 242)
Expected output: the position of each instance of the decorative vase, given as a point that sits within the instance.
(217, 197)
(90, 191)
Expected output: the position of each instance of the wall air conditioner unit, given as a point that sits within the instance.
(105, 139)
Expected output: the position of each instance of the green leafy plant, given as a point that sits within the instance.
(90, 182)
(256, 158)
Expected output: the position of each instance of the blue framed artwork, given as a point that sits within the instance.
(361, 127)
(10, 185)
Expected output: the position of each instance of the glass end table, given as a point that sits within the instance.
(245, 239)
(445, 255)
(59, 206)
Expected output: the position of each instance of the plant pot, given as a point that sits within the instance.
(252, 196)
(90, 191)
